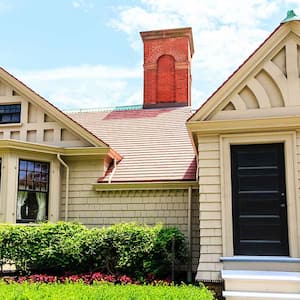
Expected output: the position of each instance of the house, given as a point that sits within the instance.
(227, 175)
(105, 167)
(248, 136)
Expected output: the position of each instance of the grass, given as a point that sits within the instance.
(81, 291)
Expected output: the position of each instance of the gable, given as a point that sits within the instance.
(40, 122)
(266, 85)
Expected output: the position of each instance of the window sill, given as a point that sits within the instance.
(11, 125)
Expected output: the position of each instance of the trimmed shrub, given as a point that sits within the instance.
(161, 256)
(102, 290)
(129, 248)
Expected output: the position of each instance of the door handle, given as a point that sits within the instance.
(282, 205)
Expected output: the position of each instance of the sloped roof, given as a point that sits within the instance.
(154, 143)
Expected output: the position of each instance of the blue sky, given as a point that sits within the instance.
(88, 53)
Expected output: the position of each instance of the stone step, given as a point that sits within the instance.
(261, 281)
(261, 263)
(236, 295)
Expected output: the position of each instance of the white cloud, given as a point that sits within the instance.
(82, 72)
(76, 4)
(5, 6)
(85, 86)
(83, 4)
(225, 32)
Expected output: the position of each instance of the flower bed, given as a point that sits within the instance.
(88, 278)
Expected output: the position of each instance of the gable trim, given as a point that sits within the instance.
(245, 125)
(243, 70)
(52, 110)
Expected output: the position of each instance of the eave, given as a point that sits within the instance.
(246, 125)
(136, 186)
(53, 111)
(97, 152)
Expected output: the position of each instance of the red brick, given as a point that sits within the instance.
(167, 74)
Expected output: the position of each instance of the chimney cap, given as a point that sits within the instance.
(170, 33)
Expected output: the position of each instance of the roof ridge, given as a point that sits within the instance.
(104, 109)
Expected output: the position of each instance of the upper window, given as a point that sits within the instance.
(33, 188)
(10, 113)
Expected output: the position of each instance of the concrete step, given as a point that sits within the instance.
(261, 263)
(261, 281)
(234, 295)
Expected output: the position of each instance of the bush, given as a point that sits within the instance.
(100, 291)
(70, 247)
(161, 255)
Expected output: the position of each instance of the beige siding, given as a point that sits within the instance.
(261, 94)
(297, 164)
(93, 208)
(210, 209)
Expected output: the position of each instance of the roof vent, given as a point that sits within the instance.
(290, 16)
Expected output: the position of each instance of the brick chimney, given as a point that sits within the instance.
(167, 67)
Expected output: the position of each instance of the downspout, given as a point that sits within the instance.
(113, 171)
(67, 186)
(189, 234)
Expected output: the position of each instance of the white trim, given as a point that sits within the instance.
(259, 295)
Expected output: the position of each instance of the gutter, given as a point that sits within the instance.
(189, 235)
(113, 171)
(145, 185)
(67, 186)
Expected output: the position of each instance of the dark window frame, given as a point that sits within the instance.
(33, 178)
(10, 113)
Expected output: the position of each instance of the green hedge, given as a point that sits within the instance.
(129, 248)
(100, 291)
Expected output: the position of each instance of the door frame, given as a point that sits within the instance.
(290, 157)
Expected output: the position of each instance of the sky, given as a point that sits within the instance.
(89, 54)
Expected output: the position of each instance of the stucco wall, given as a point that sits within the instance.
(92, 208)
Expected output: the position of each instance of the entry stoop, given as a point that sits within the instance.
(258, 296)
(273, 278)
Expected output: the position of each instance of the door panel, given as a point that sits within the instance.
(258, 200)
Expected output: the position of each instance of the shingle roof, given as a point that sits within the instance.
(154, 143)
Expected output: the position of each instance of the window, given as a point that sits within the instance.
(33, 189)
(10, 113)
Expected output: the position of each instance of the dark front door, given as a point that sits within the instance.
(259, 202)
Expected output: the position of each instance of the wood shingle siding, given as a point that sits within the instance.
(210, 208)
(93, 208)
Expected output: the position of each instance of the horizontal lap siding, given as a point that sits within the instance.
(97, 209)
(210, 209)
